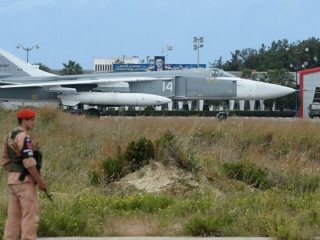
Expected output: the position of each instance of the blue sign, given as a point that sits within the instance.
(184, 66)
(131, 67)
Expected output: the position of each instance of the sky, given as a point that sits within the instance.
(82, 30)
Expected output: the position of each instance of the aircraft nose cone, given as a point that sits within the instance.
(164, 100)
(270, 91)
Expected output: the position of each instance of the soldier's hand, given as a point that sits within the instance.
(42, 185)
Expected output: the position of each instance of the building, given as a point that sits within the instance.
(309, 90)
(134, 64)
(106, 64)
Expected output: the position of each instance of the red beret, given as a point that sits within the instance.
(26, 114)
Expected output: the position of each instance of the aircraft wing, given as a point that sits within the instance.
(7, 82)
(79, 82)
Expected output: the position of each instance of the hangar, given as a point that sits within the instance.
(309, 90)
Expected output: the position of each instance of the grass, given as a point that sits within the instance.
(262, 176)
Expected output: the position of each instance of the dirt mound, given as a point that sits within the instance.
(157, 178)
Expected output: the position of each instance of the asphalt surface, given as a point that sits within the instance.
(160, 238)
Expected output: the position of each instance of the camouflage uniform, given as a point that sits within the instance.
(23, 210)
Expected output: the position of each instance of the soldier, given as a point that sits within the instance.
(18, 158)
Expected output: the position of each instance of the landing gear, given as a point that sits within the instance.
(92, 112)
(223, 115)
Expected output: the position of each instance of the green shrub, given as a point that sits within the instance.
(62, 224)
(69, 220)
(139, 153)
(188, 160)
(207, 226)
(301, 183)
(248, 173)
(112, 169)
(144, 203)
(166, 140)
(166, 147)
(94, 178)
(179, 153)
(282, 232)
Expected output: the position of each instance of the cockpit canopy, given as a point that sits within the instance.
(215, 72)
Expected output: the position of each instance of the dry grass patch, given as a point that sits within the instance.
(286, 152)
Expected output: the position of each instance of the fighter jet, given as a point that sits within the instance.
(24, 84)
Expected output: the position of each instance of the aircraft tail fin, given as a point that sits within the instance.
(12, 66)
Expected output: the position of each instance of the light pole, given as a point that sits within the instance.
(296, 68)
(197, 44)
(168, 48)
(28, 49)
(316, 60)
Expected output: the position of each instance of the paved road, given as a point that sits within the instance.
(160, 238)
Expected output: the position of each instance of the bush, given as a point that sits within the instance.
(62, 224)
(68, 218)
(168, 149)
(301, 183)
(189, 160)
(94, 178)
(145, 203)
(207, 226)
(139, 153)
(166, 140)
(112, 169)
(165, 147)
(248, 173)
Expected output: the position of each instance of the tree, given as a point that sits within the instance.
(246, 73)
(280, 54)
(235, 63)
(218, 63)
(281, 77)
(43, 67)
(72, 68)
(284, 78)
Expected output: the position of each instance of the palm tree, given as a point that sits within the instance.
(72, 68)
(43, 67)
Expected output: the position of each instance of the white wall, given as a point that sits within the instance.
(311, 81)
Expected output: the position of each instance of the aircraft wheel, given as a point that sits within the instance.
(92, 112)
(222, 116)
